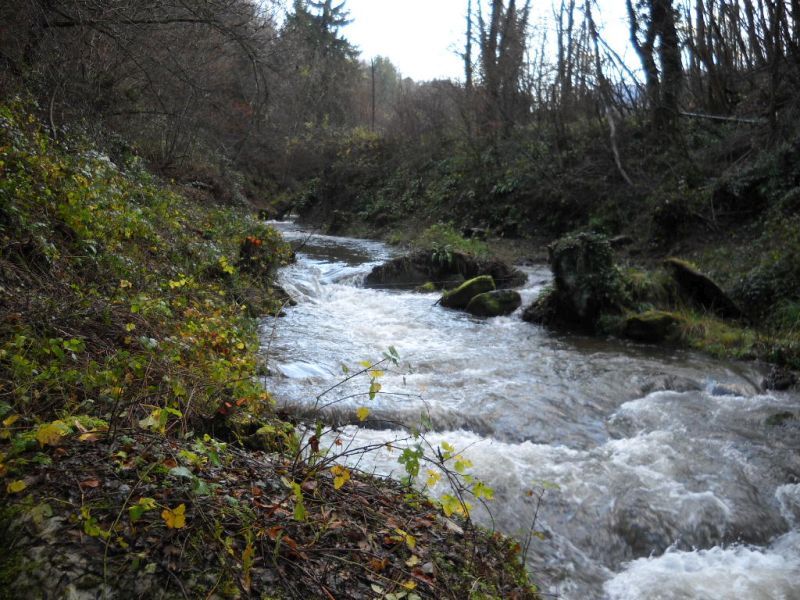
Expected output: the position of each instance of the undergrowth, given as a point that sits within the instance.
(120, 298)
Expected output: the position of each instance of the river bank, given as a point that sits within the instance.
(140, 453)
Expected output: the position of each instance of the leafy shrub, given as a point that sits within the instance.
(105, 273)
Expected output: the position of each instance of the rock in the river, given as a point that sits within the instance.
(729, 389)
(494, 304)
(426, 287)
(461, 296)
(445, 270)
(651, 326)
(701, 289)
(670, 383)
(780, 419)
(779, 379)
(587, 284)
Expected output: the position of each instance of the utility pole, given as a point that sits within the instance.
(372, 65)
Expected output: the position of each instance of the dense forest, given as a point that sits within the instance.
(145, 145)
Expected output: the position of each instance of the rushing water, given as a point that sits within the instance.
(669, 482)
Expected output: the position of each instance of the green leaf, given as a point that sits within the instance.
(299, 505)
(181, 472)
(374, 388)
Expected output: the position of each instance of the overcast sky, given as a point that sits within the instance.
(421, 37)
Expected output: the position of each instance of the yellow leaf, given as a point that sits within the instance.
(16, 486)
(433, 477)
(409, 539)
(51, 433)
(366, 364)
(413, 561)
(409, 585)
(376, 373)
(124, 283)
(340, 476)
(362, 413)
(175, 518)
(374, 388)
(130, 326)
(10, 420)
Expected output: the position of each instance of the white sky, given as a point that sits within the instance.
(421, 37)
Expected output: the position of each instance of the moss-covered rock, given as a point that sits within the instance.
(461, 296)
(445, 269)
(701, 289)
(587, 284)
(651, 326)
(494, 304)
(427, 287)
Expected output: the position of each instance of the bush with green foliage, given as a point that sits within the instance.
(123, 300)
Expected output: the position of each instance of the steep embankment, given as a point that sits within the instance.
(139, 453)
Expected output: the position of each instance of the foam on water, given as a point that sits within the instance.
(771, 573)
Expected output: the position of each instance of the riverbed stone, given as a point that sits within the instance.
(494, 304)
(461, 296)
(779, 379)
(701, 289)
(652, 326)
(444, 270)
(586, 284)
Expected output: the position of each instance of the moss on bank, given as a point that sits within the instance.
(128, 348)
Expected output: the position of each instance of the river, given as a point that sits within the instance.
(660, 474)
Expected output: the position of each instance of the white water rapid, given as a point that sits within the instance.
(670, 482)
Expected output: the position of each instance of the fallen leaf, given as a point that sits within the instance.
(418, 574)
(340, 476)
(89, 437)
(289, 542)
(89, 483)
(256, 491)
(175, 518)
(413, 561)
(16, 486)
(378, 565)
(50, 434)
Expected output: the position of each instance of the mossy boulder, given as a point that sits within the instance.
(701, 289)
(494, 304)
(444, 269)
(651, 326)
(587, 284)
(461, 296)
(427, 287)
